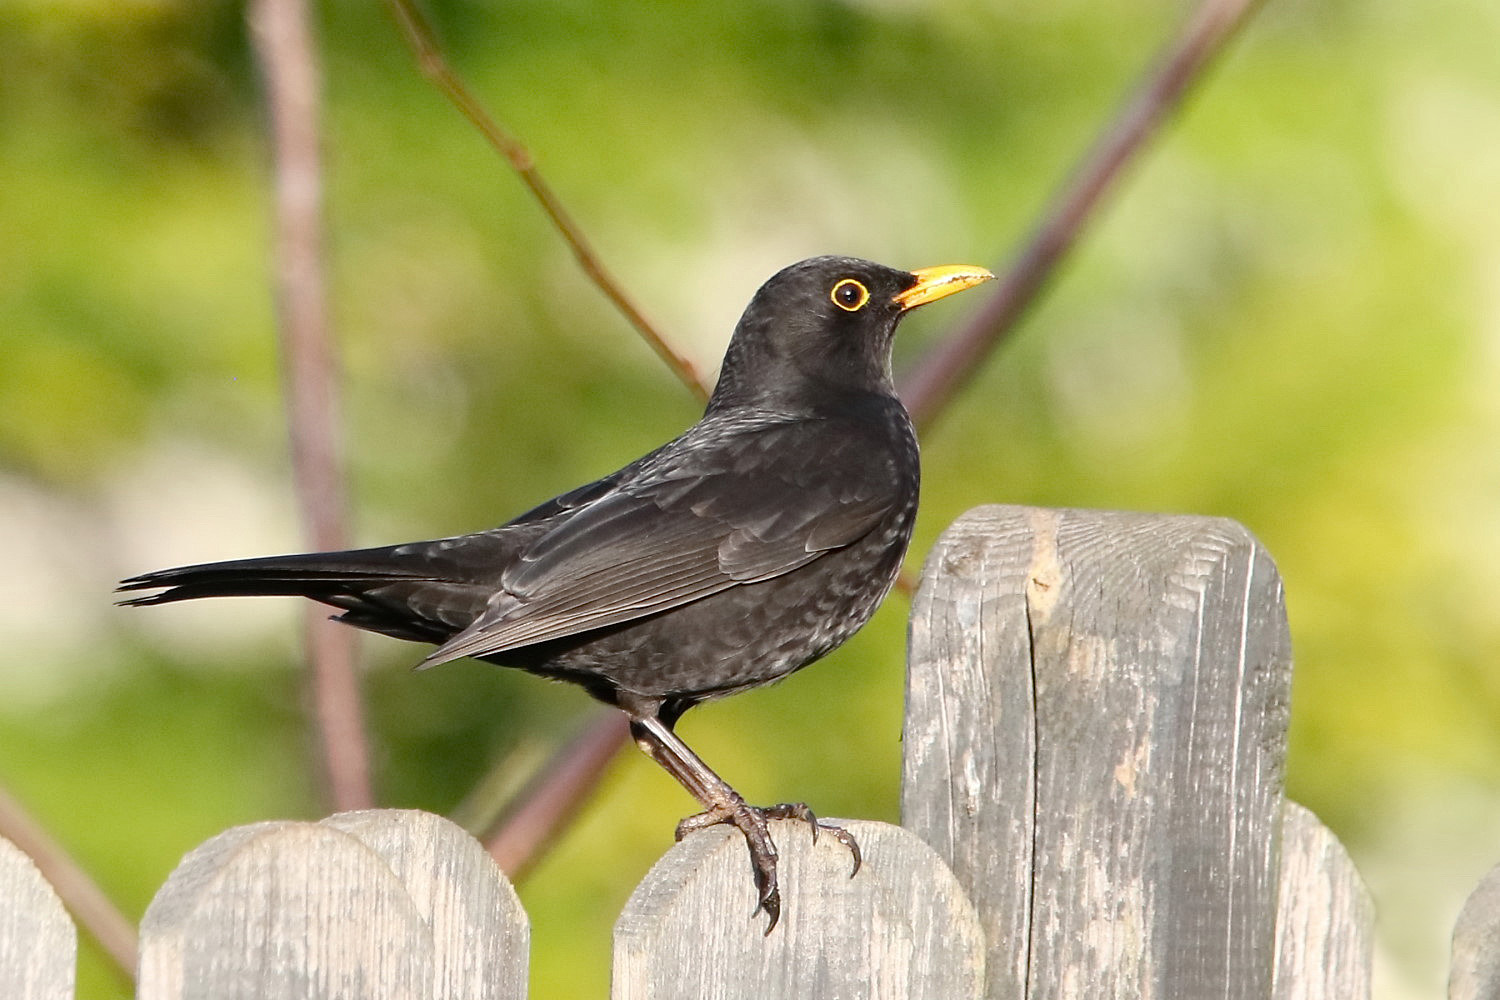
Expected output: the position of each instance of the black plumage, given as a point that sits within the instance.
(748, 547)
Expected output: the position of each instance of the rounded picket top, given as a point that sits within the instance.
(38, 943)
(378, 904)
(481, 934)
(1097, 707)
(901, 928)
(1475, 972)
(1325, 918)
(283, 909)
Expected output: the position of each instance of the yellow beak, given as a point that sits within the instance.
(934, 283)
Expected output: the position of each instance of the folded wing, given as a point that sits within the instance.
(692, 525)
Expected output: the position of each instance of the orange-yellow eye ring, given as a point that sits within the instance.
(850, 295)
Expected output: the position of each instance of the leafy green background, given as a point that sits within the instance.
(1290, 316)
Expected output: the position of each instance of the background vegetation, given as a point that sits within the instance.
(1291, 316)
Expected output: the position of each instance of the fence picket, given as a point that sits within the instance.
(901, 929)
(482, 935)
(1097, 703)
(356, 906)
(1325, 919)
(38, 945)
(1475, 972)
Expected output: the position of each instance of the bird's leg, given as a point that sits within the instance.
(715, 815)
(722, 804)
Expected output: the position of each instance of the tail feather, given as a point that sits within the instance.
(318, 575)
(422, 591)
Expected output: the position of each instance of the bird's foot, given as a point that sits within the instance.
(799, 810)
(752, 822)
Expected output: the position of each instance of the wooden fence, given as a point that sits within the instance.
(1092, 807)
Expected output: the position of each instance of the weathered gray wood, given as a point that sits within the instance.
(38, 944)
(1325, 919)
(1096, 725)
(482, 936)
(900, 929)
(379, 904)
(969, 736)
(1475, 973)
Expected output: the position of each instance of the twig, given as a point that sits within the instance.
(79, 893)
(939, 376)
(556, 792)
(283, 42)
(420, 37)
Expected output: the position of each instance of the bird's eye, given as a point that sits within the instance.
(850, 295)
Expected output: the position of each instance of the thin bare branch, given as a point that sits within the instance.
(556, 793)
(80, 894)
(283, 41)
(420, 37)
(949, 366)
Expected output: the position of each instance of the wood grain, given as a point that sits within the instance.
(899, 930)
(1325, 919)
(38, 944)
(376, 904)
(1475, 972)
(1096, 727)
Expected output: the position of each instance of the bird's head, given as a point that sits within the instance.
(825, 325)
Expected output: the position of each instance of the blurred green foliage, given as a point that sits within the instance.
(1290, 316)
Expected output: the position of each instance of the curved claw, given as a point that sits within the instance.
(800, 811)
(770, 897)
(795, 810)
(847, 839)
(752, 822)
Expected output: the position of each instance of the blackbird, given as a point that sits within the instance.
(745, 549)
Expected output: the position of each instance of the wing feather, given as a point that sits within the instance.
(697, 522)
